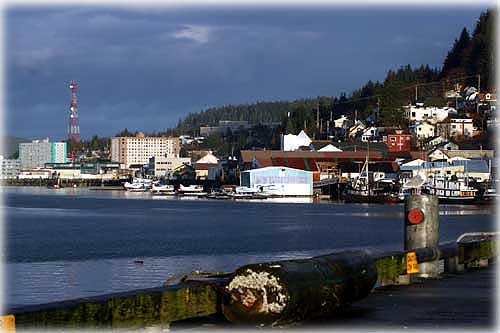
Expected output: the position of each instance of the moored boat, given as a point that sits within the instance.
(452, 191)
(364, 190)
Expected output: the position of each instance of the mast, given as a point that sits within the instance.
(367, 172)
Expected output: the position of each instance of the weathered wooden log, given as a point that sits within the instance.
(281, 292)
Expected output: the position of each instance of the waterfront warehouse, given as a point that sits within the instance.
(281, 181)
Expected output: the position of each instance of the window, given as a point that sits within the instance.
(393, 139)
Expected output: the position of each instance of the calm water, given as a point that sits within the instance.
(69, 243)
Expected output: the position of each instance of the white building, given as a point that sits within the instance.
(290, 142)
(429, 114)
(370, 134)
(9, 168)
(423, 130)
(139, 149)
(163, 166)
(280, 181)
(38, 152)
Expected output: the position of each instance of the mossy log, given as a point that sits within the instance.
(291, 290)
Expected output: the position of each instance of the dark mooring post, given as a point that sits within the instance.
(422, 229)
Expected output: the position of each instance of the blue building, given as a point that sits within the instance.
(277, 180)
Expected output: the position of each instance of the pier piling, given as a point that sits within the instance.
(422, 230)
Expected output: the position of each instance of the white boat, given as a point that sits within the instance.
(452, 191)
(245, 190)
(165, 189)
(191, 190)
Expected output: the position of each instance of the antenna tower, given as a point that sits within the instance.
(74, 127)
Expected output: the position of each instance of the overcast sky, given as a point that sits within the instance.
(145, 68)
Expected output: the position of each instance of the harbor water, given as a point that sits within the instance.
(71, 243)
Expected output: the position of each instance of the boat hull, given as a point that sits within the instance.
(376, 199)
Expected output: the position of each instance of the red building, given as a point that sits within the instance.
(397, 140)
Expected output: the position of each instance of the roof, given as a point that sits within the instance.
(472, 165)
(208, 159)
(330, 147)
(265, 156)
(475, 165)
(469, 153)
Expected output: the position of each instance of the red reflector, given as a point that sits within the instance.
(415, 216)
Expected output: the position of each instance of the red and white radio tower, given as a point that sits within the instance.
(74, 127)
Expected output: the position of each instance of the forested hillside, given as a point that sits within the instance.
(470, 56)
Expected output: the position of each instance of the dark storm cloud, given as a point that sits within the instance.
(144, 69)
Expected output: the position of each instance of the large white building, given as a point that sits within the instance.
(9, 168)
(139, 149)
(38, 152)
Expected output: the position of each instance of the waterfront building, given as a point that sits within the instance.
(38, 152)
(280, 181)
(9, 168)
(94, 170)
(304, 160)
(139, 149)
(163, 166)
(36, 174)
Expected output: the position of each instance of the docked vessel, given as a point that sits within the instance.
(219, 194)
(243, 192)
(363, 190)
(456, 191)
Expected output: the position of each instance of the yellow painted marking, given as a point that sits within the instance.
(411, 263)
(8, 323)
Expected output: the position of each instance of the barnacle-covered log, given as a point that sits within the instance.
(292, 290)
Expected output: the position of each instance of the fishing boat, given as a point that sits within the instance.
(219, 194)
(363, 190)
(191, 190)
(163, 189)
(452, 191)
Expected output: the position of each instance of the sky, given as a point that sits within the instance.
(145, 68)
